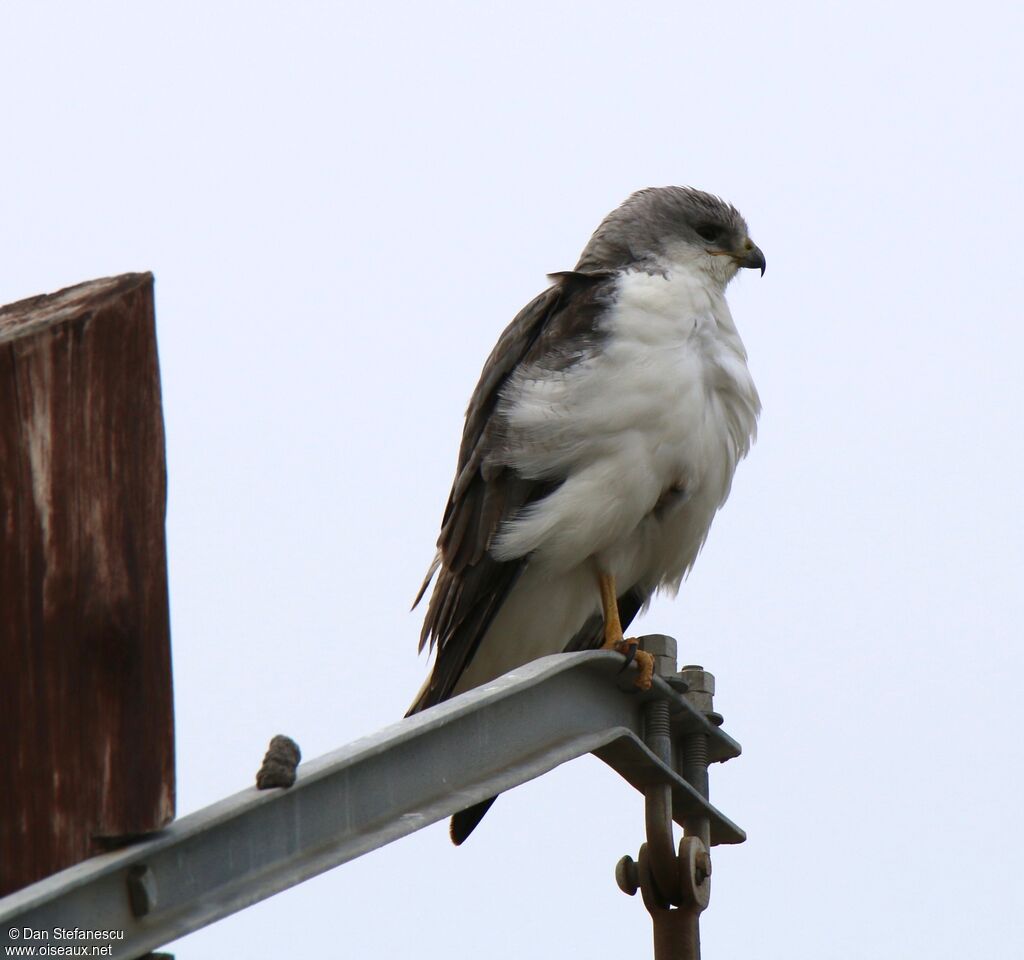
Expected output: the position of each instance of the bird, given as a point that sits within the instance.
(599, 444)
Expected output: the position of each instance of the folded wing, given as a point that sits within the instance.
(556, 329)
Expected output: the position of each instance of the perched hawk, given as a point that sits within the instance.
(598, 445)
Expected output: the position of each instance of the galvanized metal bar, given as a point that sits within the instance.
(375, 790)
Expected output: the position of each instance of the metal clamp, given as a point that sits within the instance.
(675, 883)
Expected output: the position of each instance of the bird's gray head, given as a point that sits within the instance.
(665, 228)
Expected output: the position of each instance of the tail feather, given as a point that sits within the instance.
(588, 637)
(464, 822)
(431, 570)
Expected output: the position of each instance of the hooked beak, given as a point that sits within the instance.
(752, 258)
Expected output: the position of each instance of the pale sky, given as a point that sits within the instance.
(344, 204)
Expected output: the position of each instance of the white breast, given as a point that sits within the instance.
(666, 404)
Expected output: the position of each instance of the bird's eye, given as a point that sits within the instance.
(708, 231)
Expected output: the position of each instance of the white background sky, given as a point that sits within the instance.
(344, 204)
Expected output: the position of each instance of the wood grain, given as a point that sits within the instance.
(86, 713)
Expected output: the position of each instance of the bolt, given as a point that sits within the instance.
(626, 876)
(663, 649)
(701, 686)
(141, 889)
(702, 866)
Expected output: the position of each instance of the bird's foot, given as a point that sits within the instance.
(645, 661)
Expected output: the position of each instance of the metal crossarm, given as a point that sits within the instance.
(234, 853)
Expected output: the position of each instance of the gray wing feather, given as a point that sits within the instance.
(471, 585)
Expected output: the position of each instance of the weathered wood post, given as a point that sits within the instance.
(86, 720)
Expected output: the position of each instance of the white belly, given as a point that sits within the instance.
(667, 404)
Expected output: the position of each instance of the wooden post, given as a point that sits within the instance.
(86, 721)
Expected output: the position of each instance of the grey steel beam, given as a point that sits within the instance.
(234, 853)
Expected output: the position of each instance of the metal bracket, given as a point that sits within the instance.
(250, 846)
(675, 885)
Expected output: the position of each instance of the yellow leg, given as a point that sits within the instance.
(610, 609)
(613, 639)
